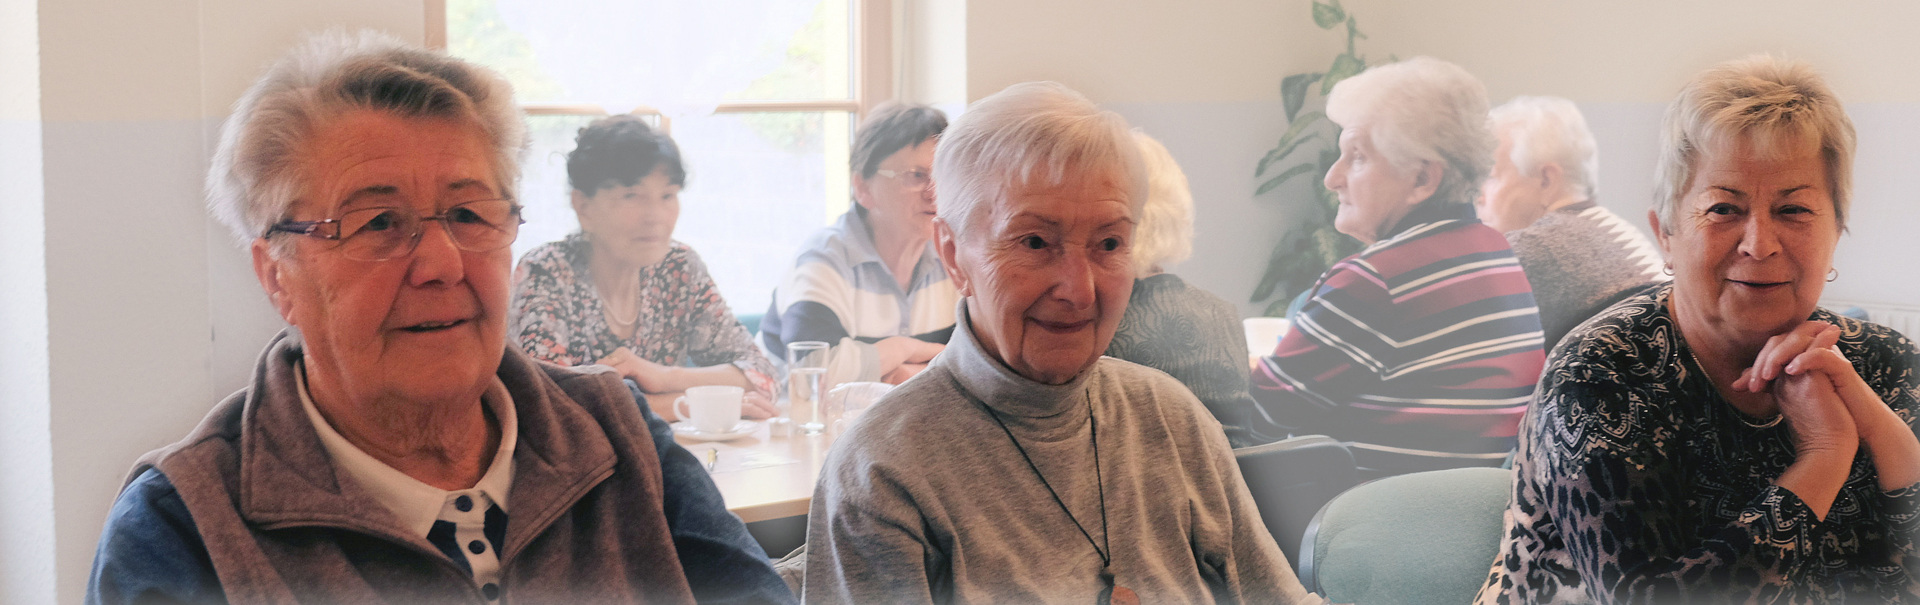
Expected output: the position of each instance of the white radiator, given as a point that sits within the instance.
(1904, 318)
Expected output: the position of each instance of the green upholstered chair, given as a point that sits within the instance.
(1291, 479)
(1426, 537)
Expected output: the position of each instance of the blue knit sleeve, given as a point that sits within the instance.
(150, 551)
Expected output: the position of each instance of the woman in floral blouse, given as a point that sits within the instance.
(1720, 438)
(622, 292)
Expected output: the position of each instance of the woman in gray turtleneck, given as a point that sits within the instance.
(1022, 466)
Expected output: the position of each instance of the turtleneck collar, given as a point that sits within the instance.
(999, 387)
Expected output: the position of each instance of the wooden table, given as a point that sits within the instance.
(771, 492)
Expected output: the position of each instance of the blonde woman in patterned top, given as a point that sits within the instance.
(1720, 438)
(621, 292)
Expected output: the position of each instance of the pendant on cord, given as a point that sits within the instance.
(1114, 594)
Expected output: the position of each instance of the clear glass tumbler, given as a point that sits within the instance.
(807, 385)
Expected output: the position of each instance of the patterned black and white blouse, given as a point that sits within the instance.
(1637, 482)
(557, 318)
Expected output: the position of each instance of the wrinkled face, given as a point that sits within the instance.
(1511, 200)
(1374, 195)
(903, 203)
(1752, 241)
(634, 223)
(423, 327)
(1047, 273)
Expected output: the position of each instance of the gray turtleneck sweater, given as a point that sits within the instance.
(926, 500)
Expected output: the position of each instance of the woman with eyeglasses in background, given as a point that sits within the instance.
(870, 284)
(621, 292)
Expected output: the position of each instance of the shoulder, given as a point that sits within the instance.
(151, 550)
(1435, 245)
(1884, 358)
(1166, 394)
(1610, 383)
(550, 256)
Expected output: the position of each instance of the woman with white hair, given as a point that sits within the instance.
(391, 448)
(1421, 351)
(1022, 466)
(1174, 327)
(1721, 438)
(1579, 256)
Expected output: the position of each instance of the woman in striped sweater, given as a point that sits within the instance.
(1421, 351)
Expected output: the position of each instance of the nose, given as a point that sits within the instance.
(1336, 178)
(1075, 280)
(1761, 238)
(436, 259)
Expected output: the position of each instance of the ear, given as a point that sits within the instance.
(945, 245)
(1552, 178)
(1659, 235)
(269, 271)
(862, 191)
(1426, 181)
(579, 201)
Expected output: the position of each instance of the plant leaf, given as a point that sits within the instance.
(1327, 15)
(1293, 92)
(1286, 139)
(1284, 255)
(1344, 66)
(1288, 174)
(1282, 151)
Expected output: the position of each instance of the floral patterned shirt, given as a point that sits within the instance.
(1637, 482)
(557, 317)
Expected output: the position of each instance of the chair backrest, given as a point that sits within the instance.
(1419, 538)
(1290, 479)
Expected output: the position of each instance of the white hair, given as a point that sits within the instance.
(1550, 130)
(1772, 104)
(254, 175)
(1031, 133)
(1422, 110)
(1164, 233)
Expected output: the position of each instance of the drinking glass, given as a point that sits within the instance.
(807, 385)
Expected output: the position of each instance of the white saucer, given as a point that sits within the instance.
(685, 429)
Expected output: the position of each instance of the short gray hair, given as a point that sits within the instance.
(1164, 233)
(1773, 103)
(252, 180)
(1550, 130)
(1422, 110)
(1034, 132)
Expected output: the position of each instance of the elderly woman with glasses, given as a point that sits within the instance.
(1421, 351)
(1023, 466)
(1721, 438)
(870, 284)
(622, 292)
(391, 447)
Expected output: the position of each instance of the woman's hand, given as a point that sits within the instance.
(898, 350)
(757, 406)
(1824, 439)
(903, 372)
(1889, 441)
(1783, 349)
(652, 377)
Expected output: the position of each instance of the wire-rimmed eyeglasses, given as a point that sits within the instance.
(913, 180)
(382, 233)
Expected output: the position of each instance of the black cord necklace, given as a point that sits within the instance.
(1111, 593)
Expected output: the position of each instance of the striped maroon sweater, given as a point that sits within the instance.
(1421, 351)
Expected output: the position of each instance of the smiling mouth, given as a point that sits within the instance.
(1063, 327)
(434, 326)
(1759, 284)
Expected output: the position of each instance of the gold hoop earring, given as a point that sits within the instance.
(1832, 274)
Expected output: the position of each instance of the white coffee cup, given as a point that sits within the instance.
(712, 408)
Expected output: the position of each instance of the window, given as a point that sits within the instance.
(761, 95)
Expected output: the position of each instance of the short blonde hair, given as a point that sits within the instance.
(1164, 233)
(1771, 103)
(1034, 132)
(1550, 130)
(1422, 109)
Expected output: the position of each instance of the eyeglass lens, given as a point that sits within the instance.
(383, 233)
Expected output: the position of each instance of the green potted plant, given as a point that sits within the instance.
(1309, 148)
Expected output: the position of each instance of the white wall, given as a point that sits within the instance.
(151, 313)
(26, 505)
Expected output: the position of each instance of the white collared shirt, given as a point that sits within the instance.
(418, 506)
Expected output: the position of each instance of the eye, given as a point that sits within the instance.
(466, 216)
(1722, 211)
(1110, 244)
(380, 222)
(1034, 242)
